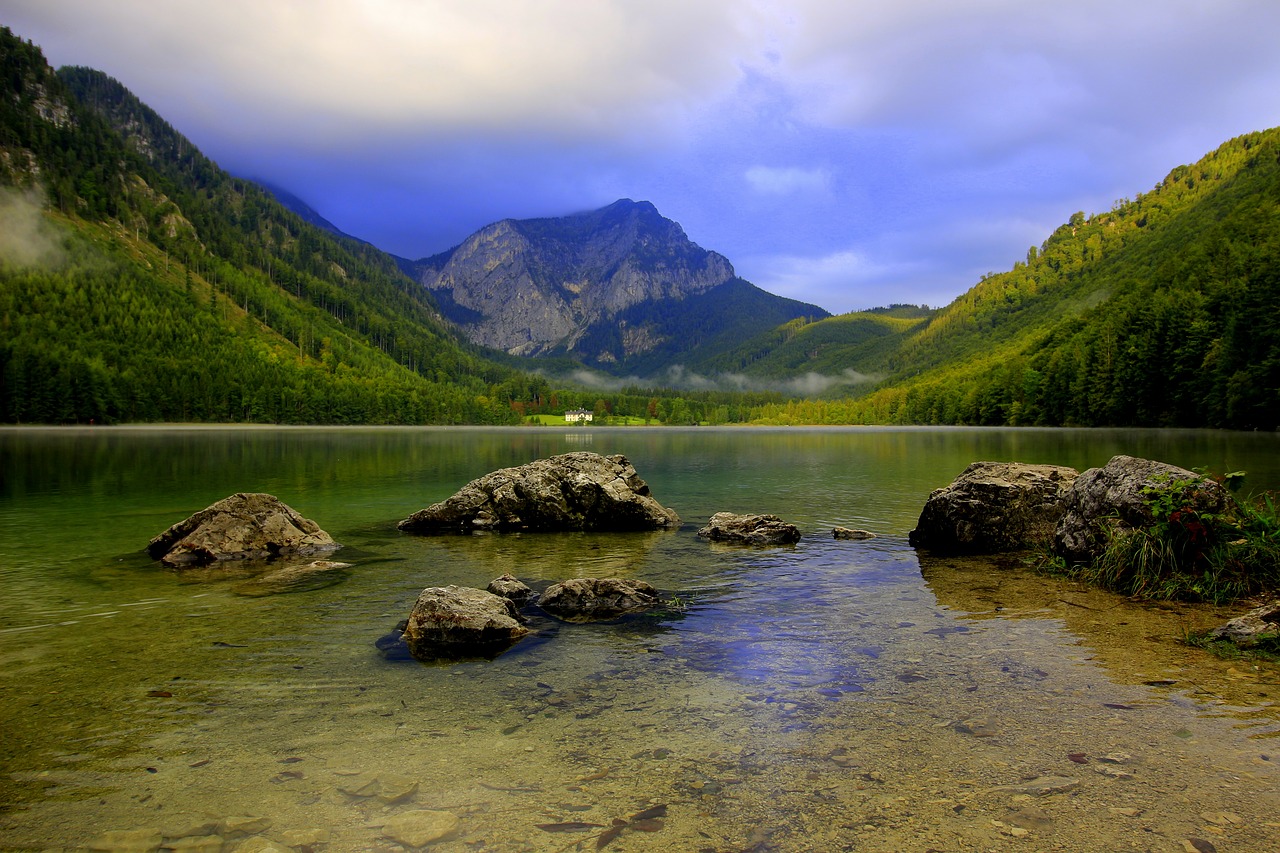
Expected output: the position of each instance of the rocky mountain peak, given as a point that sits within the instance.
(533, 285)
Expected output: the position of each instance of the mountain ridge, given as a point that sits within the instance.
(561, 285)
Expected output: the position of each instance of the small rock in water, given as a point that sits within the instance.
(258, 844)
(128, 841)
(1221, 818)
(196, 844)
(361, 785)
(1115, 772)
(419, 827)
(1031, 817)
(510, 587)
(851, 533)
(1044, 786)
(396, 789)
(304, 837)
(233, 826)
(1198, 845)
(976, 727)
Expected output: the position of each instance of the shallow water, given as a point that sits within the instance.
(834, 695)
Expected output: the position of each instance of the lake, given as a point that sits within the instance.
(834, 695)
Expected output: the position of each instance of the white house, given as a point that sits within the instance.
(574, 416)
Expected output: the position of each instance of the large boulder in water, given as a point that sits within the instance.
(1117, 497)
(993, 507)
(595, 599)
(244, 526)
(455, 622)
(573, 491)
(751, 529)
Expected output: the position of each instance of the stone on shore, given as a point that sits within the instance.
(1116, 497)
(244, 526)
(993, 507)
(596, 599)
(454, 622)
(753, 529)
(1258, 625)
(573, 491)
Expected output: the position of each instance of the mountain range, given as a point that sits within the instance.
(138, 281)
(621, 289)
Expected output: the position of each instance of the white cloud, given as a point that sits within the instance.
(412, 123)
(329, 66)
(786, 180)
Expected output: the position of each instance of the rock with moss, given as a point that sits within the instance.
(994, 507)
(1120, 496)
(243, 526)
(569, 492)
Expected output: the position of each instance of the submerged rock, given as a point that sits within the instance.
(993, 507)
(299, 577)
(1258, 625)
(594, 599)
(419, 827)
(452, 622)
(750, 529)
(1116, 497)
(244, 526)
(573, 491)
(851, 533)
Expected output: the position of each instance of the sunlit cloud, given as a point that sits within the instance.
(847, 153)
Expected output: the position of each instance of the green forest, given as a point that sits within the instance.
(1162, 312)
(139, 282)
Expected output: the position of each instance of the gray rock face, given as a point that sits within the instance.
(594, 599)
(526, 286)
(750, 529)
(1102, 500)
(994, 507)
(453, 622)
(244, 526)
(1259, 624)
(573, 491)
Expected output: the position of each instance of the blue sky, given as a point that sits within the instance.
(849, 153)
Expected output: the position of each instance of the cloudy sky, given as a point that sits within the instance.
(849, 153)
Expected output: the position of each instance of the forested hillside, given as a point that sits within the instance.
(139, 282)
(856, 349)
(1164, 311)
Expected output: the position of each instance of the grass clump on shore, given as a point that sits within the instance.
(1189, 554)
(1268, 648)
